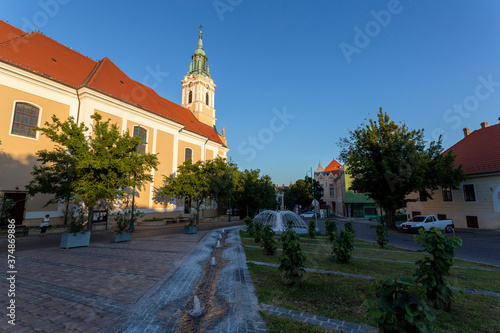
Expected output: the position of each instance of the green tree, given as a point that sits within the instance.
(190, 183)
(220, 179)
(253, 192)
(389, 161)
(99, 166)
(300, 193)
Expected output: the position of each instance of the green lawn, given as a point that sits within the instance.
(341, 297)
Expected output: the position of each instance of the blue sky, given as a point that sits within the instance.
(294, 76)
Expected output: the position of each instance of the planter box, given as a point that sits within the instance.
(190, 229)
(124, 236)
(75, 240)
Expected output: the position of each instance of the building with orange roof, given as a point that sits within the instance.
(476, 202)
(40, 77)
(339, 199)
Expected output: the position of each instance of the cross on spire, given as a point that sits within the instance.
(201, 26)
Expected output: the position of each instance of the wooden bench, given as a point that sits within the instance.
(19, 229)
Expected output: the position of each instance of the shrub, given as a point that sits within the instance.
(312, 229)
(349, 227)
(124, 217)
(250, 225)
(268, 242)
(399, 306)
(431, 271)
(381, 232)
(257, 231)
(293, 259)
(344, 245)
(331, 230)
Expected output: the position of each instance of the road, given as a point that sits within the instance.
(482, 246)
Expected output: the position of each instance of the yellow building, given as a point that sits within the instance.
(40, 77)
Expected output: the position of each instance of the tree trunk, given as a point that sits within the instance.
(89, 217)
(66, 212)
(390, 218)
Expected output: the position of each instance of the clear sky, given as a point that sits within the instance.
(295, 76)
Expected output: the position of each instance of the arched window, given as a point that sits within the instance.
(25, 120)
(188, 154)
(141, 132)
(207, 99)
(190, 100)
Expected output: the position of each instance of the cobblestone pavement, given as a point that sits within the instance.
(318, 320)
(138, 286)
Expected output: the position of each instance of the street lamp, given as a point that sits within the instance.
(314, 206)
(143, 140)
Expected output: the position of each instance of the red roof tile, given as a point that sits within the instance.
(44, 56)
(479, 152)
(8, 32)
(334, 165)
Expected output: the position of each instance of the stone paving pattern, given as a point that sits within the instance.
(138, 286)
(318, 320)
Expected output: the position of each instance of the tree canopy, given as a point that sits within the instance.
(89, 167)
(253, 192)
(300, 193)
(389, 161)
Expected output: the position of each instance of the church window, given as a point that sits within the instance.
(190, 100)
(188, 154)
(207, 99)
(141, 132)
(25, 120)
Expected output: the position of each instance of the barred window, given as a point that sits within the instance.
(25, 120)
(141, 133)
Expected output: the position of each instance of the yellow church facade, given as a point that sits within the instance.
(40, 78)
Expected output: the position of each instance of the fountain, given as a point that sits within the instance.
(220, 236)
(198, 309)
(278, 219)
(222, 230)
(213, 261)
(218, 243)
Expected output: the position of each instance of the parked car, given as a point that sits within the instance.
(307, 215)
(427, 222)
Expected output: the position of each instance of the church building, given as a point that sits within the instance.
(40, 77)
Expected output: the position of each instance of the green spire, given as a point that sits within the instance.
(199, 64)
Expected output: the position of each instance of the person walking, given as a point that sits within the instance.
(44, 225)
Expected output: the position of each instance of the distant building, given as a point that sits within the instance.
(476, 201)
(40, 77)
(339, 200)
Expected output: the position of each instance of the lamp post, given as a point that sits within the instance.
(314, 206)
(231, 179)
(132, 226)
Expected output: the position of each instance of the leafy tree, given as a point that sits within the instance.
(300, 193)
(344, 245)
(220, 181)
(349, 227)
(101, 165)
(293, 260)
(190, 183)
(381, 232)
(253, 192)
(250, 225)
(331, 230)
(389, 161)
(257, 231)
(399, 306)
(432, 270)
(312, 229)
(268, 243)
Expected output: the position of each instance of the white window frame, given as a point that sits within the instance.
(38, 121)
(475, 192)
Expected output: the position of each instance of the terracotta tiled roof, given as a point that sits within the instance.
(333, 166)
(479, 152)
(44, 56)
(8, 32)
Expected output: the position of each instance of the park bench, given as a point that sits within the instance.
(21, 230)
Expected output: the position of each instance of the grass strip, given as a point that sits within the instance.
(277, 324)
